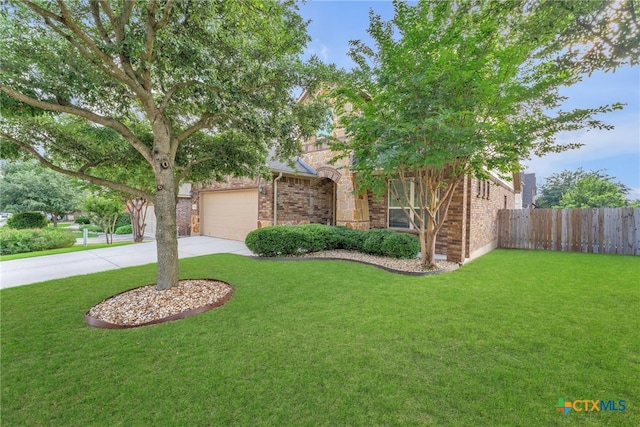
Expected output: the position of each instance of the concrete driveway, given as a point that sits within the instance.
(38, 269)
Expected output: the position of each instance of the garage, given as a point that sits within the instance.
(229, 214)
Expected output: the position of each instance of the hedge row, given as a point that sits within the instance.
(124, 229)
(284, 240)
(30, 240)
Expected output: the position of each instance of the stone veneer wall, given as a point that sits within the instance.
(351, 211)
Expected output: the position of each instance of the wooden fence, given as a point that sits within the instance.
(601, 230)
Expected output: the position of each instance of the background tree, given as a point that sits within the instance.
(454, 89)
(103, 212)
(593, 192)
(558, 184)
(214, 83)
(27, 186)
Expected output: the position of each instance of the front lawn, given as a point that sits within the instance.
(78, 247)
(331, 343)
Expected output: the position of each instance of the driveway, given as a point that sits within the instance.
(38, 269)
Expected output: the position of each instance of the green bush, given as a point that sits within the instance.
(400, 245)
(14, 241)
(278, 241)
(349, 239)
(284, 240)
(373, 240)
(123, 219)
(24, 220)
(124, 229)
(83, 220)
(319, 237)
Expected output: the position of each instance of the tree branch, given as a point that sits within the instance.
(80, 112)
(67, 22)
(80, 173)
(95, 11)
(165, 15)
(173, 90)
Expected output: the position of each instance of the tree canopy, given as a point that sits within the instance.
(454, 89)
(581, 189)
(189, 90)
(27, 186)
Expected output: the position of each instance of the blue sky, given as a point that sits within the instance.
(334, 23)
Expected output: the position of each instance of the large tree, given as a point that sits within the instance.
(214, 82)
(558, 184)
(27, 186)
(455, 89)
(594, 192)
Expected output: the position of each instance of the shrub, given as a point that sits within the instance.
(373, 241)
(83, 220)
(277, 240)
(124, 229)
(400, 245)
(14, 241)
(123, 219)
(24, 220)
(349, 239)
(319, 237)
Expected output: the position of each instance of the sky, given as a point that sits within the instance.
(334, 22)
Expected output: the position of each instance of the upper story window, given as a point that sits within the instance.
(326, 129)
(483, 189)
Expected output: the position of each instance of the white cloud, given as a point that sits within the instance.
(634, 194)
(323, 51)
(624, 140)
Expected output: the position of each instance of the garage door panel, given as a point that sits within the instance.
(230, 214)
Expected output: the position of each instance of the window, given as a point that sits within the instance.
(398, 211)
(484, 189)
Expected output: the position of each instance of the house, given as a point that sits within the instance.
(313, 190)
(529, 190)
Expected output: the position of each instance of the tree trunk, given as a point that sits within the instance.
(422, 235)
(430, 244)
(137, 208)
(166, 231)
(166, 235)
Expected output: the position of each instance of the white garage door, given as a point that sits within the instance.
(229, 214)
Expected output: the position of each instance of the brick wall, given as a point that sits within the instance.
(485, 198)
(183, 220)
(378, 210)
(302, 200)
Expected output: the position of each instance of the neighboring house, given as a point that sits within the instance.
(528, 190)
(313, 190)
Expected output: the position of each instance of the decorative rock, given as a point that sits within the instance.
(146, 305)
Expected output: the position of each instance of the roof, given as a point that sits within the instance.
(297, 166)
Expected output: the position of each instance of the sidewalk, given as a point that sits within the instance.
(38, 269)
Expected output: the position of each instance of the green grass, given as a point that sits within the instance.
(75, 248)
(330, 343)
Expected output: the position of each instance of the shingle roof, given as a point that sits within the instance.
(297, 166)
